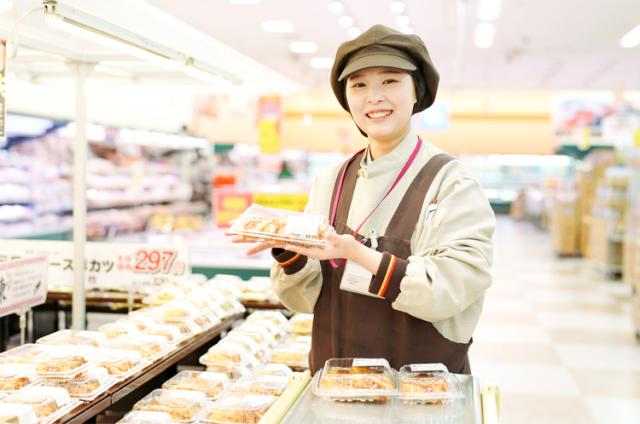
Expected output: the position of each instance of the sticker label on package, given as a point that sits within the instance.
(370, 362)
(428, 367)
(303, 225)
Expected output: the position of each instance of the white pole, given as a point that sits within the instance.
(81, 71)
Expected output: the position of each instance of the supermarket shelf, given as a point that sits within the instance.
(88, 410)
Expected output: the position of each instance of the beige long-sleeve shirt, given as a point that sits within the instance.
(449, 268)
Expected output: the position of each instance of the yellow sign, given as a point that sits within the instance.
(269, 136)
(636, 137)
(585, 142)
(292, 202)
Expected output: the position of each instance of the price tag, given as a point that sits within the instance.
(428, 367)
(23, 284)
(370, 362)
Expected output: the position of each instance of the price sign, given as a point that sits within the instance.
(288, 201)
(113, 266)
(23, 284)
(269, 136)
(229, 205)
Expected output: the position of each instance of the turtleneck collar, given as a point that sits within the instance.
(393, 160)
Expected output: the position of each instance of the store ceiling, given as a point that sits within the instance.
(550, 44)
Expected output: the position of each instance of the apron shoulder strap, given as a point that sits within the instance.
(350, 170)
(406, 217)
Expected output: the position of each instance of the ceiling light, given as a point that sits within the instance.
(336, 7)
(6, 5)
(407, 30)
(345, 21)
(397, 7)
(278, 26)
(631, 38)
(354, 32)
(245, 2)
(195, 70)
(105, 69)
(303, 47)
(322, 62)
(485, 33)
(403, 21)
(95, 30)
(489, 10)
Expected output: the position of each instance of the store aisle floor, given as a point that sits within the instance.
(556, 335)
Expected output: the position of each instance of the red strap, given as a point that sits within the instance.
(334, 207)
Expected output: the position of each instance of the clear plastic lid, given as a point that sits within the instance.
(245, 341)
(64, 361)
(226, 353)
(85, 386)
(256, 333)
(275, 369)
(301, 324)
(182, 405)
(149, 347)
(428, 383)
(70, 337)
(169, 332)
(222, 289)
(237, 409)
(299, 339)
(274, 316)
(45, 401)
(118, 329)
(209, 383)
(356, 379)
(119, 362)
(163, 295)
(219, 278)
(272, 385)
(295, 357)
(233, 372)
(24, 354)
(275, 330)
(145, 417)
(14, 377)
(17, 413)
(177, 311)
(267, 224)
(139, 320)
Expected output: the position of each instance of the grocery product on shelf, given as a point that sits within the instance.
(17, 413)
(150, 347)
(272, 385)
(266, 224)
(119, 363)
(182, 405)
(237, 409)
(24, 354)
(70, 337)
(86, 385)
(146, 417)
(429, 384)
(295, 356)
(62, 361)
(45, 401)
(210, 383)
(301, 324)
(15, 377)
(356, 380)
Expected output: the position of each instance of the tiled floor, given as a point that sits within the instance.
(556, 336)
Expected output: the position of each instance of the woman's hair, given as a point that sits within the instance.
(420, 86)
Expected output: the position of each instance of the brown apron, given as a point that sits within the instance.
(347, 324)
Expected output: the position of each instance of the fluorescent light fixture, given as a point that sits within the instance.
(200, 71)
(244, 2)
(280, 27)
(397, 7)
(403, 21)
(6, 5)
(631, 38)
(105, 69)
(90, 28)
(354, 32)
(485, 33)
(322, 62)
(489, 10)
(336, 7)
(345, 21)
(407, 30)
(303, 47)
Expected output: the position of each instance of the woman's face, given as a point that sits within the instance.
(381, 102)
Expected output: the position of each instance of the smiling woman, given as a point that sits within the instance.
(404, 275)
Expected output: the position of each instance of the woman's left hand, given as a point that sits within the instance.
(339, 246)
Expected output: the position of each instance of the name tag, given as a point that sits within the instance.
(356, 279)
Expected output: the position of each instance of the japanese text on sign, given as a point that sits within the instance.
(23, 284)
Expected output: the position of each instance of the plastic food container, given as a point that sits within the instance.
(226, 354)
(257, 333)
(149, 347)
(24, 354)
(233, 372)
(85, 386)
(430, 384)
(17, 413)
(267, 224)
(169, 332)
(70, 337)
(139, 320)
(301, 324)
(271, 385)
(14, 377)
(209, 383)
(164, 295)
(181, 405)
(294, 356)
(274, 316)
(356, 380)
(246, 342)
(120, 363)
(64, 361)
(145, 417)
(237, 409)
(45, 401)
(275, 369)
(118, 329)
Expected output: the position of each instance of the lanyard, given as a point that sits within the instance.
(334, 206)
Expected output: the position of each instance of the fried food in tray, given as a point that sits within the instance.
(356, 380)
(118, 362)
(209, 383)
(86, 385)
(429, 384)
(14, 377)
(149, 347)
(64, 361)
(146, 417)
(238, 409)
(70, 337)
(45, 401)
(261, 385)
(301, 324)
(182, 405)
(295, 356)
(16, 413)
